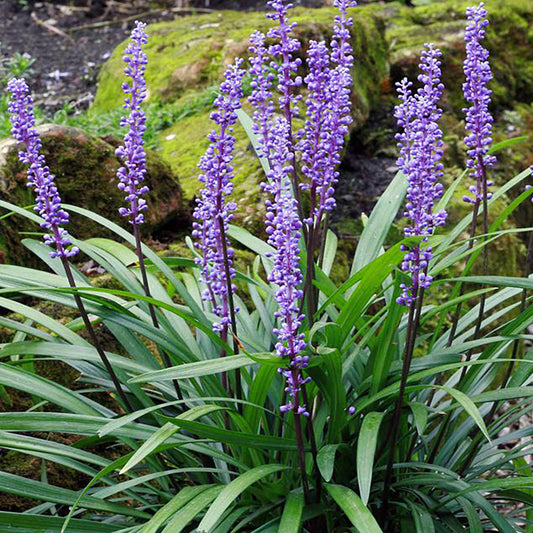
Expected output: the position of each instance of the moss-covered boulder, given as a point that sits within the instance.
(190, 54)
(85, 169)
(186, 57)
(509, 41)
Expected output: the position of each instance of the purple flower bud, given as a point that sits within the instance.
(48, 201)
(132, 153)
(213, 211)
(478, 118)
(421, 148)
(328, 112)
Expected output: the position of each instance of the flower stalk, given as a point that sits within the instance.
(214, 211)
(48, 205)
(132, 174)
(421, 148)
(479, 121)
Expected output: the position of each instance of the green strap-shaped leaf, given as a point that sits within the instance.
(183, 497)
(197, 369)
(48, 390)
(326, 460)
(188, 512)
(379, 223)
(29, 488)
(354, 509)
(291, 519)
(366, 450)
(232, 491)
(32, 523)
(235, 437)
(470, 407)
(164, 433)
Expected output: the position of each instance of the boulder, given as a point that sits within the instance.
(186, 60)
(85, 169)
(509, 40)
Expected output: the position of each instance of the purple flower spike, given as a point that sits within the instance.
(261, 98)
(213, 211)
(284, 50)
(342, 50)
(478, 118)
(328, 112)
(132, 152)
(421, 148)
(283, 227)
(317, 135)
(39, 177)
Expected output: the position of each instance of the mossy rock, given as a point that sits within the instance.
(509, 41)
(85, 169)
(190, 54)
(186, 57)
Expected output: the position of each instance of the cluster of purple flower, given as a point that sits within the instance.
(39, 178)
(421, 149)
(478, 118)
(284, 232)
(328, 113)
(319, 143)
(213, 212)
(132, 152)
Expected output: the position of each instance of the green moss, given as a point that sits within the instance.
(509, 41)
(184, 143)
(191, 53)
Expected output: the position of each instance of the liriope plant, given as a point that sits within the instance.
(267, 397)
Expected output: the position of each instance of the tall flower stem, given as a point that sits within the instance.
(457, 314)
(314, 449)
(146, 285)
(485, 267)
(131, 175)
(48, 203)
(94, 338)
(213, 213)
(412, 326)
(231, 306)
(300, 447)
(421, 145)
(479, 130)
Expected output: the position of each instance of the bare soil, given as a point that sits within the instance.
(69, 40)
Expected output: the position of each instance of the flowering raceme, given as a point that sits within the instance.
(478, 118)
(284, 232)
(213, 211)
(319, 143)
(39, 176)
(420, 160)
(328, 113)
(283, 50)
(261, 97)
(132, 152)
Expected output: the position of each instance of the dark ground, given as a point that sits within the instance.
(70, 39)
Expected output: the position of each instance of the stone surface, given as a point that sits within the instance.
(187, 57)
(85, 169)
